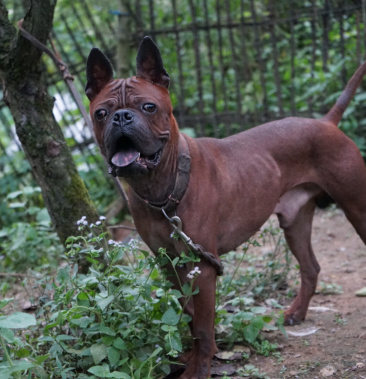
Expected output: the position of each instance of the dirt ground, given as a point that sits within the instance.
(338, 347)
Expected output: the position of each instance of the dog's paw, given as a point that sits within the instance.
(292, 319)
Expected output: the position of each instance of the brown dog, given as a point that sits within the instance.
(222, 190)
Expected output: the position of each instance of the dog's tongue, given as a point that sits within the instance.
(124, 158)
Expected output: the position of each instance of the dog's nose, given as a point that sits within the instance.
(123, 117)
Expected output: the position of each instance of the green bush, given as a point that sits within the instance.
(28, 241)
(120, 320)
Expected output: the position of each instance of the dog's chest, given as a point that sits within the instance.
(154, 231)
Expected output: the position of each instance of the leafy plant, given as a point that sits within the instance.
(14, 349)
(122, 319)
(29, 241)
(243, 285)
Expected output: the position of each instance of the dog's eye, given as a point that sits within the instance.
(100, 114)
(149, 107)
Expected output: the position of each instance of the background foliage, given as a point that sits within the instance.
(233, 64)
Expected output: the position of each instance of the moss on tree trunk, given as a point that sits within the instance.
(64, 193)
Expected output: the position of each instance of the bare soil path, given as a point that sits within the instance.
(338, 348)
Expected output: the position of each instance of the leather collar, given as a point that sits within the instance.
(181, 180)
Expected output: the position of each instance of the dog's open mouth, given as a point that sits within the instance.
(127, 154)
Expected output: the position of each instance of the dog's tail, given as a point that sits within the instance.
(336, 113)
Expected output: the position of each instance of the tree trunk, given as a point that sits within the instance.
(64, 193)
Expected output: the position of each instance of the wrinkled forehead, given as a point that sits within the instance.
(130, 92)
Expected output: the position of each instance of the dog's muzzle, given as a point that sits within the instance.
(130, 143)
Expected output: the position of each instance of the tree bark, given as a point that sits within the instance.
(64, 193)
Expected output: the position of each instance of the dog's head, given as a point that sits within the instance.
(132, 118)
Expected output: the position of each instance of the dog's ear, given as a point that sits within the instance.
(99, 72)
(149, 63)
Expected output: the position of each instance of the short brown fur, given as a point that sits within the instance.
(235, 183)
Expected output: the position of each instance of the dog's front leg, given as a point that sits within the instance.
(201, 307)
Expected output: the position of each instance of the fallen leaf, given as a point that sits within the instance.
(303, 332)
(236, 353)
(361, 292)
(322, 309)
(328, 371)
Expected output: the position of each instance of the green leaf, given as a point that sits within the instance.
(176, 343)
(113, 355)
(267, 319)
(7, 334)
(14, 194)
(104, 302)
(186, 289)
(280, 324)
(118, 375)
(251, 333)
(82, 296)
(106, 330)
(119, 344)
(43, 216)
(258, 322)
(175, 261)
(99, 352)
(246, 316)
(17, 204)
(17, 320)
(4, 233)
(258, 310)
(41, 358)
(83, 322)
(170, 317)
(176, 294)
(4, 302)
(6, 371)
(100, 371)
(168, 328)
(156, 352)
(108, 340)
(64, 337)
(39, 372)
(22, 353)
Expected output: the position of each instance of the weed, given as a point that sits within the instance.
(251, 371)
(340, 320)
(329, 288)
(121, 319)
(278, 356)
(29, 241)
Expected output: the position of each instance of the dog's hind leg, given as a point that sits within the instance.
(346, 184)
(295, 212)
(355, 212)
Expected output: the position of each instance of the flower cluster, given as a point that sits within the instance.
(115, 243)
(83, 222)
(195, 272)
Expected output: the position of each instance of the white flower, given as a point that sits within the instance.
(158, 360)
(98, 223)
(102, 218)
(195, 272)
(133, 243)
(82, 221)
(115, 243)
